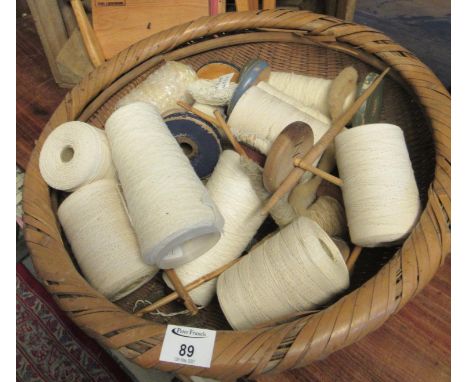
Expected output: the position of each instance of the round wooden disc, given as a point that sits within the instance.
(293, 142)
(214, 70)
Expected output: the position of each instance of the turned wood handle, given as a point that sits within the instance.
(316, 171)
(89, 38)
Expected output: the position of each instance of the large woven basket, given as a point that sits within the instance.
(384, 280)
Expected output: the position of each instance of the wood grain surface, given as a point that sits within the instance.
(117, 27)
(37, 94)
(414, 345)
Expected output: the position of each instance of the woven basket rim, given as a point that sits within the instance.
(297, 343)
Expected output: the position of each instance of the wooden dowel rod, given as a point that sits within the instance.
(201, 114)
(181, 291)
(222, 123)
(314, 153)
(353, 257)
(316, 171)
(87, 33)
(174, 295)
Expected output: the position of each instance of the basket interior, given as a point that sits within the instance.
(399, 107)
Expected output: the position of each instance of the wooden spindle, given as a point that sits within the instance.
(227, 130)
(316, 171)
(194, 284)
(201, 114)
(313, 154)
(181, 291)
(353, 258)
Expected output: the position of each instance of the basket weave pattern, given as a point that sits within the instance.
(290, 345)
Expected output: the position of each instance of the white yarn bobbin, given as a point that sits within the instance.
(173, 215)
(313, 112)
(232, 191)
(258, 118)
(103, 241)
(311, 91)
(379, 190)
(299, 268)
(75, 154)
(164, 87)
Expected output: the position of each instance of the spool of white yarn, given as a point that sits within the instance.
(311, 91)
(379, 190)
(174, 217)
(75, 154)
(232, 191)
(164, 87)
(258, 118)
(313, 112)
(103, 241)
(297, 269)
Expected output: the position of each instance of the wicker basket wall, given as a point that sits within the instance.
(385, 279)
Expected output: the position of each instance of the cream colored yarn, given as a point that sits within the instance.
(379, 191)
(75, 154)
(232, 191)
(258, 118)
(164, 87)
(102, 239)
(212, 92)
(312, 111)
(174, 217)
(305, 193)
(207, 109)
(297, 269)
(311, 91)
(282, 213)
(329, 214)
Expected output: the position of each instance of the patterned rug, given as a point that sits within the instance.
(49, 347)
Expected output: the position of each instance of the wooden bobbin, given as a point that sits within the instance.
(294, 141)
(216, 69)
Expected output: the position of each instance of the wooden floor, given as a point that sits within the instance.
(412, 346)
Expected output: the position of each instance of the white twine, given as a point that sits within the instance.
(232, 191)
(173, 215)
(258, 118)
(297, 269)
(379, 191)
(212, 92)
(311, 91)
(164, 87)
(75, 154)
(312, 111)
(102, 239)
